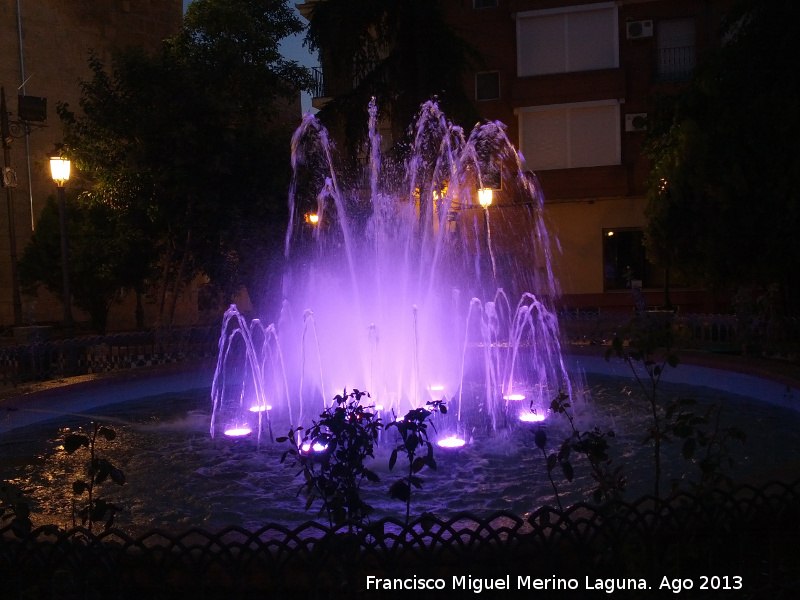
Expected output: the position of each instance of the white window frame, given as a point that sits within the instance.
(573, 105)
(519, 17)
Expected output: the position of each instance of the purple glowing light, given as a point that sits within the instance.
(238, 431)
(314, 447)
(406, 360)
(514, 397)
(531, 418)
(261, 408)
(452, 441)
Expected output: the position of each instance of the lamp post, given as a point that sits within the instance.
(59, 169)
(485, 196)
(9, 181)
(485, 200)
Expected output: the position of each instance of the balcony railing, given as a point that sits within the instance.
(318, 90)
(675, 64)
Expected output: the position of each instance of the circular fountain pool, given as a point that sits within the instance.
(179, 477)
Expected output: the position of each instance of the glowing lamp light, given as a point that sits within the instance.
(451, 442)
(238, 431)
(260, 408)
(514, 397)
(610, 234)
(485, 197)
(312, 218)
(531, 418)
(59, 169)
(316, 446)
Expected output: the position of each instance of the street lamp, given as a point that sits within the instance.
(485, 200)
(485, 197)
(59, 169)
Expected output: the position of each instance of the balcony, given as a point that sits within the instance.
(675, 64)
(318, 86)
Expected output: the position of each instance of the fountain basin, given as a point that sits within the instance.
(216, 482)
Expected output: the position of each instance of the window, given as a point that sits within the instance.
(487, 86)
(625, 263)
(484, 3)
(676, 49)
(567, 136)
(562, 40)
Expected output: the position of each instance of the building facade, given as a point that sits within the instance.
(44, 47)
(574, 83)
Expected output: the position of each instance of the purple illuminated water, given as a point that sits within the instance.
(178, 477)
(404, 286)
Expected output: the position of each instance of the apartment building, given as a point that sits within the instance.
(574, 82)
(44, 46)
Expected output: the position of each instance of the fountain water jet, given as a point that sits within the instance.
(380, 275)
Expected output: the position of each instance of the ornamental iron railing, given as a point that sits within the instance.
(740, 543)
(778, 337)
(101, 354)
(22, 363)
(675, 64)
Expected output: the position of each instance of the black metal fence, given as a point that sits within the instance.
(735, 544)
(777, 337)
(101, 354)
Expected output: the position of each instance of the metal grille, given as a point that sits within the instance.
(102, 354)
(748, 532)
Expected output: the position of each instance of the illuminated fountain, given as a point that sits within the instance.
(398, 282)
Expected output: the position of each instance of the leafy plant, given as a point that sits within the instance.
(98, 470)
(649, 352)
(713, 447)
(14, 507)
(553, 459)
(418, 449)
(332, 454)
(593, 444)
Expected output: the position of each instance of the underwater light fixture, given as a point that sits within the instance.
(531, 418)
(238, 431)
(451, 441)
(316, 446)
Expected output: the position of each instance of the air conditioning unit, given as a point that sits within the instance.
(639, 29)
(636, 122)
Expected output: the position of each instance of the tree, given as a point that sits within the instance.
(195, 139)
(401, 52)
(723, 202)
(106, 256)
